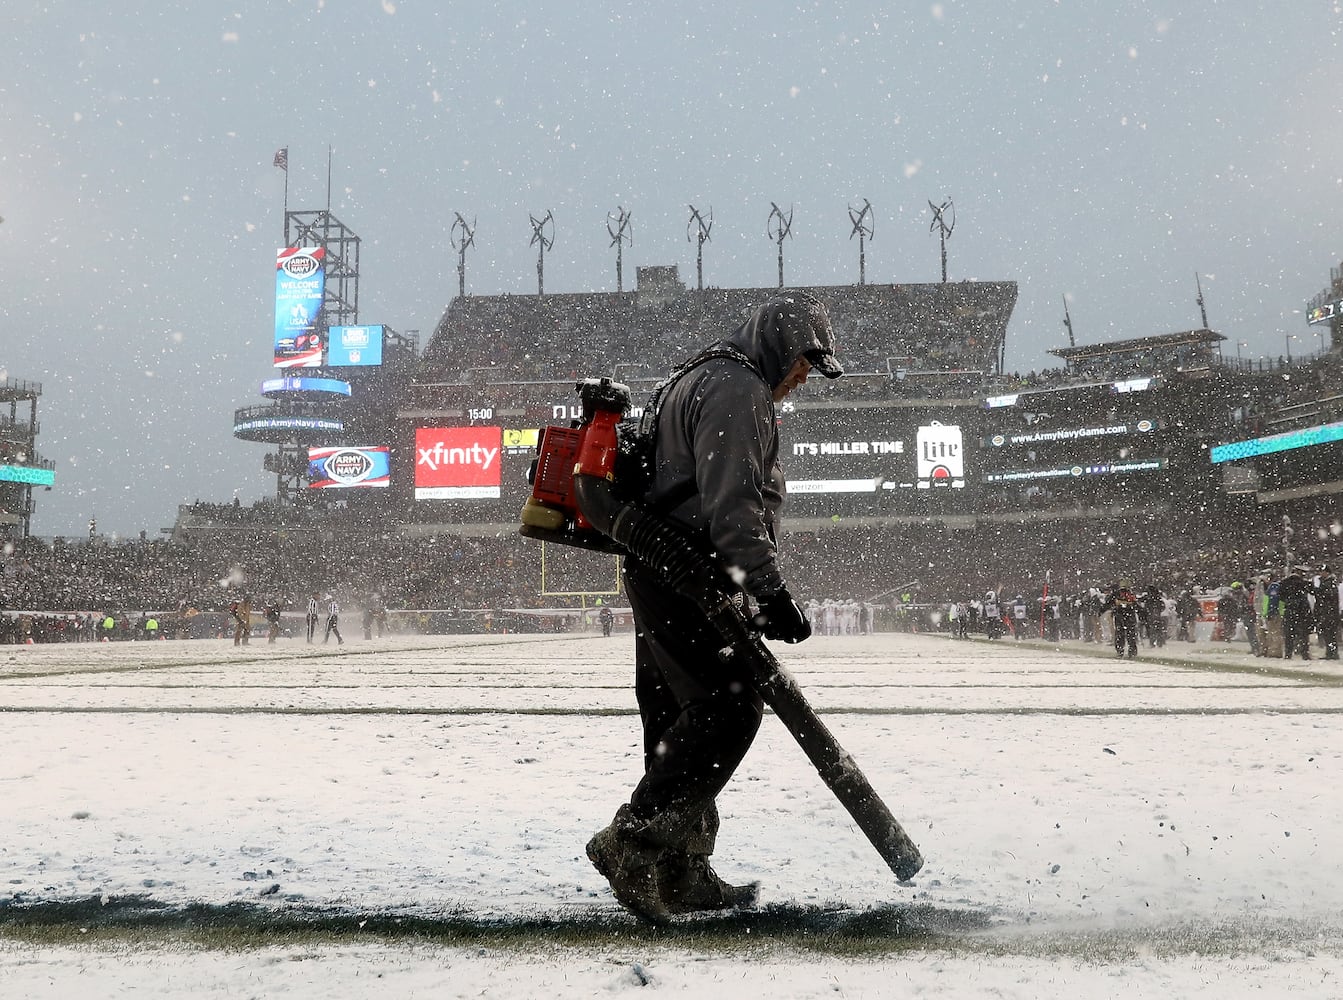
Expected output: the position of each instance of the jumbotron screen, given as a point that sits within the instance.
(856, 459)
(348, 467)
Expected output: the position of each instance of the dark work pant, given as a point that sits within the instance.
(1328, 629)
(699, 714)
(1296, 634)
(1126, 635)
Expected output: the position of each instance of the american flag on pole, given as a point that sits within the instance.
(282, 159)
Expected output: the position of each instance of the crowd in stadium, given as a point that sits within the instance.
(927, 564)
(1089, 536)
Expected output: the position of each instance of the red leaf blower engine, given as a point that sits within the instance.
(588, 446)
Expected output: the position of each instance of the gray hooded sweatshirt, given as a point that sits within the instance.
(717, 429)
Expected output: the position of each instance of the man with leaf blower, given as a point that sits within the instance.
(716, 476)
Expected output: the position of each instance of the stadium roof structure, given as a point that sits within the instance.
(1142, 346)
(953, 326)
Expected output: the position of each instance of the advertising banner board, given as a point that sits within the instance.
(300, 288)
(347, 467)
(458, 463)
(353, 346)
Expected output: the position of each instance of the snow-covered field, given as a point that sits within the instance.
(194, 819)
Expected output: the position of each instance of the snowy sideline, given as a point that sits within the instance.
(1092, 827)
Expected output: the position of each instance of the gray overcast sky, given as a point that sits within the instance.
(1101, 151)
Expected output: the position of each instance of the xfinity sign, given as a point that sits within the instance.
(438, 455)
(457, 463)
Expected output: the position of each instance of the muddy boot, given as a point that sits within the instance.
(689, 883)
(628, 860)
(687, 880)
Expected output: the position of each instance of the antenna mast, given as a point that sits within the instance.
(1202, 309)
(703, 226)
(461, 237)
(939, 222)
(862, 228)
(619, 230)
(777, 227)
(543, 242)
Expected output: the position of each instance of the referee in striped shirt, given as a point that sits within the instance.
(312, 617)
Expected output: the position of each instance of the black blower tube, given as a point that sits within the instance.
(664, 548)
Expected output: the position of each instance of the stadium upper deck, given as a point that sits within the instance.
(1127, 425)
(880, 328)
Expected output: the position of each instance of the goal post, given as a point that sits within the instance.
(567, 571)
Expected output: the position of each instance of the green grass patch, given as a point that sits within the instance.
(140, 920)
(144, 923)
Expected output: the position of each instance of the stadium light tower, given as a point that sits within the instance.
(940, 213)
(620, 230)
(462, 236)
(778, 227)
(863, 229)
(703, 226)
(543, 239)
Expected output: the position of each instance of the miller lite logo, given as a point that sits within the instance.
(941, 456)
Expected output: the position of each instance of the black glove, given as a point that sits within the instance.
(779, 617)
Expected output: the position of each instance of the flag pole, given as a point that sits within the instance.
(328, 178)
(281, 160)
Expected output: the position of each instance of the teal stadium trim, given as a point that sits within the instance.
(1277, 442)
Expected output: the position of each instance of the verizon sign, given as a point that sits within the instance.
(457, 463)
